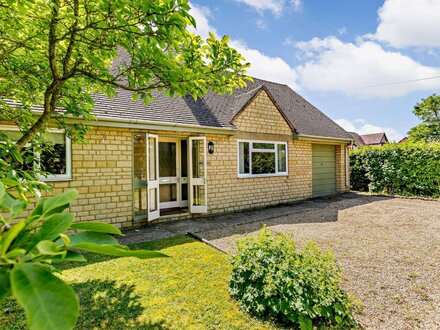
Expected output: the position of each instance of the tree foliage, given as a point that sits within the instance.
(428, 110)
(31, 246)
(54, 55)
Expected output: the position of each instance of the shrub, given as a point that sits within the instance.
(412, 169)
(272, 279)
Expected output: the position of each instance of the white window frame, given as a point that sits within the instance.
(251, 149)
(53, 177)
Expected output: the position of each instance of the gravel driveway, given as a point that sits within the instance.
(389, 249)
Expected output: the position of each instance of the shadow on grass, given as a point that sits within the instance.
(153, 245)
(104, 304)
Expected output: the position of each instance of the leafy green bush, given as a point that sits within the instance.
(30, 245)
(411, 169)
(271, 278)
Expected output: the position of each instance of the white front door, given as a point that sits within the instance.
(145, 177)
(198, 193)
(153, 176)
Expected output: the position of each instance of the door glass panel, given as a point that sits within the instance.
(184, 192)
(140, 162)
(199, 195)
(168, 192)
(184, 158)
(140, 202)
(152, 158)
(167, 159)
(153, 199)
(197, 159)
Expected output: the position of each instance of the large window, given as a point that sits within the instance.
(257, 158)
(54, 160)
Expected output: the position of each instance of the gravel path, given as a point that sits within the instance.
(389, 249)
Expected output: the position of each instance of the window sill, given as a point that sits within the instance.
(253, 176)
(44, 179)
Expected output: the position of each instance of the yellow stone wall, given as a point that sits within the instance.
(102, 169)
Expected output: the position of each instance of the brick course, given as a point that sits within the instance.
(102, 169)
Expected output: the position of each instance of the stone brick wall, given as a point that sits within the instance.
(102, 169)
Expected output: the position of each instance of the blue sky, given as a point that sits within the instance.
(336, 53)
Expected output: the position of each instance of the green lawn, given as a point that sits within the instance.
(186, 291)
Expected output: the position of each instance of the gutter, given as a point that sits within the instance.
(305, 137)
(155, 125)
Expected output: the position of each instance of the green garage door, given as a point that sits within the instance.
(323, 170)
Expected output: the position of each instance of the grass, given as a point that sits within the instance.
(186, 291)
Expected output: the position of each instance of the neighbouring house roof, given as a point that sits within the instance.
(357, 139)
(376, 138)
(218, 111)
(369, 139)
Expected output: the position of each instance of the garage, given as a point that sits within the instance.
(323, 170)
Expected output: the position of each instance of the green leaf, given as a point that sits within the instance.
(49, 303)
(52, 228)
(305, 323)
(70, 256)
(118, 251)
(49, 248)
(91, 237)
(10, 235)
(96, 227)
(59, 202)
(5, 283)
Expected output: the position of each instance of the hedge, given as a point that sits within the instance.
(397, 169)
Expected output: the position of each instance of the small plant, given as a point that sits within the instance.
(272, 279)
(30, 246)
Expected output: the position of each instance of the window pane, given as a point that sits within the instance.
(167, 159)
(259, 145)
(152, 158)
(140, 202)
(263, 162)
(184, 158)
(184, 192)
(198, 195)
(243, 157)
(282, 166)
(153, 199)
(198, 161)
(53, 157)
(140, 157)
(168, 192)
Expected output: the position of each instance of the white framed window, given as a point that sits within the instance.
(55, 161)
(261, 158)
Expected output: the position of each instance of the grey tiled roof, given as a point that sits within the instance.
(375, 138)
(358, 141)
(214, 110)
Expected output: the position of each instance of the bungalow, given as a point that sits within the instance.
(179, 157)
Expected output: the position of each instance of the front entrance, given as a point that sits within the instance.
(168, 174)
(173, 173)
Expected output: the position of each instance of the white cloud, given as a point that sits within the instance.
(267, 67)
(262, 65)
(275, 6)
(404, 23)
(202, 15)
(353, 68)
(360, 126)
(261, 24)
(342, 31)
